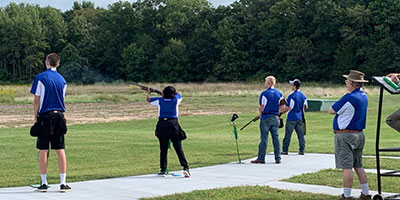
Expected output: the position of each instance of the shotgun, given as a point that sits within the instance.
(146, 88)
(253, 120)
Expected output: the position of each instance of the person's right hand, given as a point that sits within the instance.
(394, 77)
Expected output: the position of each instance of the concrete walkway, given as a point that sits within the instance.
(226, 175)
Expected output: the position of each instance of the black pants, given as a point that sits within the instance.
(164, 153)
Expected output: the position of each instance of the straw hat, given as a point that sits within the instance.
(356, 76)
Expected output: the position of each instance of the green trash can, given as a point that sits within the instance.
(315, 105)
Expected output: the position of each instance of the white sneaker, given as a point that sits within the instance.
(186, 173)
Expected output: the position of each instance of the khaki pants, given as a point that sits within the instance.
(393, 120)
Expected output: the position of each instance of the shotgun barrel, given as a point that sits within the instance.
(146, 88)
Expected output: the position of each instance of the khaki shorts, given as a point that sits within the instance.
(348, 150)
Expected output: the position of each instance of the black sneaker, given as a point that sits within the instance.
(278, 161)
(301, 153)
(43, 188)
(161, 173)
(65, 188)
(284, 153)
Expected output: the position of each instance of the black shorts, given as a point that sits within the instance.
(53, 130)
(57, 142)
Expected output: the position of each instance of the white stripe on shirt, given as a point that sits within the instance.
(157, 103)
(65, 90)
(264, 101)
(40, 91)
(346, 114)
(291, 105)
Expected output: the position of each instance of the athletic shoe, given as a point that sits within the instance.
(278, 161)
(258, 162)
(284, 153)
(301, 153)
(161, 173)
(43, 188)
(364, 197)
(186, 173)
(346, 198)
(65, 188)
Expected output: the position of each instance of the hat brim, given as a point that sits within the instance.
(357, 81)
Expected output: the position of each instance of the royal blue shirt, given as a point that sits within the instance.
(296, 101)
(270, 99)
(167, 108)
(351, 111)
(51, 88)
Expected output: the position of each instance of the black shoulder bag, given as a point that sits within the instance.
(37, 128)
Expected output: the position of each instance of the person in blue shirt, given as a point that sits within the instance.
(348, 125)
(168, 127)
(49, 89)
(296, 103)
(270, 101)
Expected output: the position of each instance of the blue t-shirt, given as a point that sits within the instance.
(270, 99)
(167, 108)
(296, 101)
(351, 111)
(51, 88)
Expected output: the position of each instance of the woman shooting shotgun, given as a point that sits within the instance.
(168, 127)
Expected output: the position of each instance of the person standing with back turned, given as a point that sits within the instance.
(270, 103)
(348, 124)
(49, 90)
(168, 127)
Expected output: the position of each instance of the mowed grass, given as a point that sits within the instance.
(97, 151)
(245, 192)
(105, 150)
(333, 178)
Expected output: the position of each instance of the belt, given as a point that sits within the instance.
(268, 113)
(55, 111)
(165, 119)
(52, 111)
(347, 131)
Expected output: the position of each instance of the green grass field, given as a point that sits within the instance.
(116, 149)
(246, 192)
(333, 178)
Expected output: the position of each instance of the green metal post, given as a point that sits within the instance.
(236, 138)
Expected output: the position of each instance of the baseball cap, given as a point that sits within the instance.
(295, 82)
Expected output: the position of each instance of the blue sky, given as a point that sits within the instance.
(67, 4)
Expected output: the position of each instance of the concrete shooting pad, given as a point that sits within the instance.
(219, 176)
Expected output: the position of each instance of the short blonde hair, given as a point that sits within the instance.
(270, 79)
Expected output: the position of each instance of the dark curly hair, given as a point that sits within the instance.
(169, 92)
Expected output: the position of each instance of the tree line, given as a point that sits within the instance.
(190, 40)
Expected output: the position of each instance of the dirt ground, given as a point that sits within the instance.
(13, 116)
